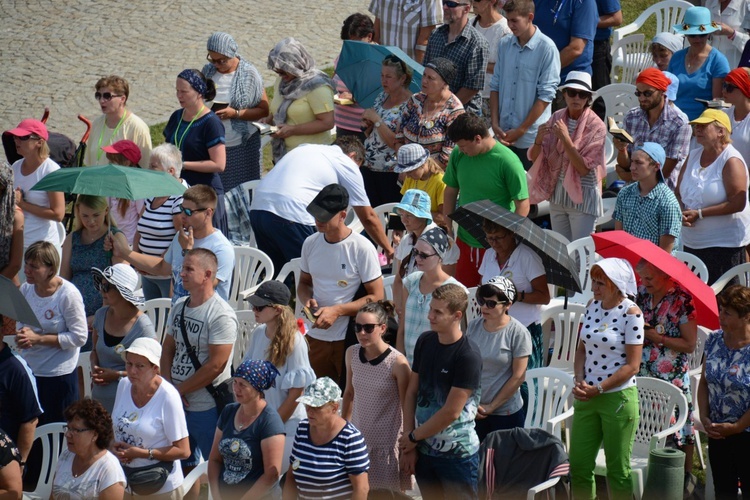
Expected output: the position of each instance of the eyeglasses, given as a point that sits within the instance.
(491, 304)
(368, 327)
(191, 211)
(417, 254)
(452, 5)
(260, 308)
(578, 93)
(645, 93)
(68, 428)
(218, 62)
(490, 239)
(106, 97)
(729, 88)
(102, 286)
(27, 137)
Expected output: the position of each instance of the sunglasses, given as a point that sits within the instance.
(452, 5)
(645, 93)
(191, 211)
(396, 60)
(729, 88)
(27, 137)
(417, 254)
(260, 308)
(102, 286)
(368, 327)
(491, 304)
(697, 36)
(218, 62)
(578, 93)
(106, 97)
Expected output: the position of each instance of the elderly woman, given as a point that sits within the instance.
(382, 121)
(489, 21)
(42, 210)
(86, 469)
(427, 254)
(199, 135)
(302, 104)
(428, 114)
(329, 453)
(116, 122)
(712, 189)
(724, 394)
(160, 220)
(670, 334)
(508, 258)
(348, 117)
(736, 91)
(240, 98)
(663, 46)
(52, 350)
(116, 325)
(277, 339)
(700, 67)
(568, 156)
(607, 359)
(376, 380)
(245, 460)
(505, 345)
(149, 423)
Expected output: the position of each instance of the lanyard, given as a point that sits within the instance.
(178, 143)
(101, 134)
(556, 10)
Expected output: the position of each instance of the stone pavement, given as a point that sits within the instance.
(52, 52)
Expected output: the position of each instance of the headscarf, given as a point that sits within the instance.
(7, 214)
(290, 56)
(246, 89)
(437, 239)
(669, 41)
(505, 286)
(740, 79)
(194, 80)
(261, 374)
(653, 77)
(620, 272)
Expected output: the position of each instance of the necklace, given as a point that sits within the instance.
(112, 135)
(238, 420)
(178, 142)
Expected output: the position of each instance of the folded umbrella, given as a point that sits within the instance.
(628, 247)
(359, 68)
(560, 269)
(14, 304)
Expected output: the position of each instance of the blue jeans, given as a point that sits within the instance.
(201, 428)
(448, 478)
(156, 288)
(278, 238)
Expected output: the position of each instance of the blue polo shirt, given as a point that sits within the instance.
(562, 20)
(604, 7)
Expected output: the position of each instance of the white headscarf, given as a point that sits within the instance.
(620, 272)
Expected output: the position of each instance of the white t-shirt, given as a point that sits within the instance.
(224, 94)
(302, 173)
(160, 423)
(493, 34)
(523, 266)
(61, 313)
(35, 228)
(740, 133)
(101, 475)
(219, 245)
(337, 270)
(214, 322)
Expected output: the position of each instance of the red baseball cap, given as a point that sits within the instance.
(127, 148)
(30, 126)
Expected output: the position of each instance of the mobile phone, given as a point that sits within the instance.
(310, 313)
(218, 106)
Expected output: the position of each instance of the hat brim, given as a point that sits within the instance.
(128, 295)
(312, 401)
(19, 132)
(258, 301)
(319, 213)
(150, 356)
(577, 86)
(400, 169)
(420, 214)
(694, 30)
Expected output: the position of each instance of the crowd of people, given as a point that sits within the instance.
(369, 393)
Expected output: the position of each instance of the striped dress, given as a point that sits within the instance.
(322, 471)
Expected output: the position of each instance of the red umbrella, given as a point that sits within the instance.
(628, 247)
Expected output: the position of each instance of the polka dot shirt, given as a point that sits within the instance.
(605, 332)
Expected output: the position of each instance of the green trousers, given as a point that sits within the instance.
(609, 421)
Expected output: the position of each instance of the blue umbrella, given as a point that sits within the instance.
(359, 67)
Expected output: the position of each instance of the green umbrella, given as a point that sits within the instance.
(114, 181)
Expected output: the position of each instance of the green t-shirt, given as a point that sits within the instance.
(496, 175)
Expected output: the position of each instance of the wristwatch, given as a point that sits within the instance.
(412, 438)
(185, 251)
(377, 124)
(150, 453)
(600, 388)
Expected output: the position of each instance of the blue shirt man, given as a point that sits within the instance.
(571, 24)
(610, 15)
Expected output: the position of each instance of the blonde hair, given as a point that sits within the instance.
(433, 166)
(43, 149)
(282, 343)
(94, 203)
(44, 253)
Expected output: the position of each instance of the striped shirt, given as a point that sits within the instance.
(400, 20)
(322, 471)
(156, 227)
(346, 117)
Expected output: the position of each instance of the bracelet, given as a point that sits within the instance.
(237, 113)
(150, 453)
(734, 32)
(420, 47)
(521, 296)
(700, 213)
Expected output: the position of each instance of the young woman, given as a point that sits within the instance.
(123, 211)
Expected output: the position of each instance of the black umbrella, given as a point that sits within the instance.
(560, 269)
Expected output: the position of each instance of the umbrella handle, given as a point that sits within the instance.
(85, 120)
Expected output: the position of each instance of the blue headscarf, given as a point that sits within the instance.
(260, 374)
(194, 80)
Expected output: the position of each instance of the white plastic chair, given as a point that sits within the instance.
(696, 367)
(618, 100)
(247, 192)
(251, 268)
(84, 363)
(157, 311)
(292, 267)
(609, 210)
(694, 263)
(195, 476)
(52, 437)
(658, 400)
(474, 310)
(742, 272)
(549, 392)
(668, 13)
(583, 251)
(631, 55)
(567, 325)
(388, 286)
(246, 320)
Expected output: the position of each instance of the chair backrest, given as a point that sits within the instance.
(618, 100)
(566, 322)
(695, 264)
(388, 286)
(247, 191)
(84, 363)
(583, 252)
(668, 13)
(251, 268)
(630, 55)
(52, 437)
(695, 358)
(549, 391)
(741, 272)
(657, 402)
(292, 267)
(474, 310)
(195, 476)
(246, 320)
(157, 311)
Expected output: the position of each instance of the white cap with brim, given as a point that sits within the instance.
(147, 347)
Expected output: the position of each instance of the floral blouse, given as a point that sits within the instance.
(728, 379)
(378, 156)
(431, 133)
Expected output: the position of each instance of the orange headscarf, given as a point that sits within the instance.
(653, 77)
(740, 79)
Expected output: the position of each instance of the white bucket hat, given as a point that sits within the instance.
(123, 277)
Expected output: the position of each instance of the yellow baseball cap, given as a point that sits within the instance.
(714, 115)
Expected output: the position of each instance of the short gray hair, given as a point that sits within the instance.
(167, 155)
